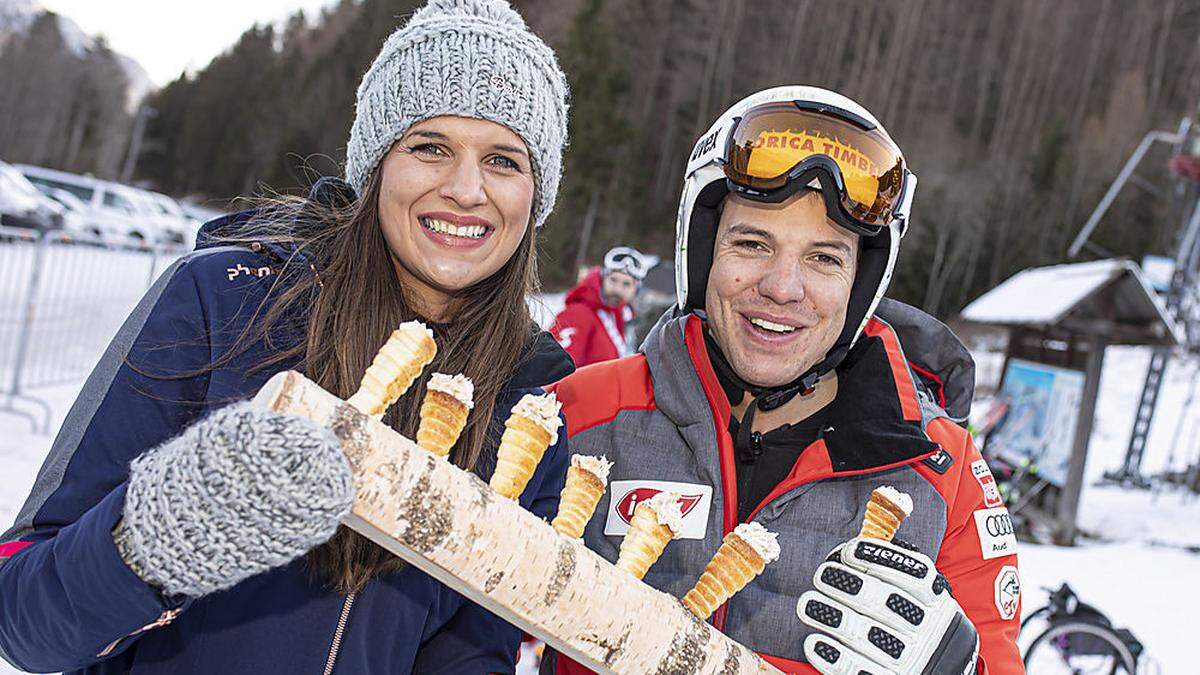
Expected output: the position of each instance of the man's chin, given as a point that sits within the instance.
(768, 374)
(767, 380)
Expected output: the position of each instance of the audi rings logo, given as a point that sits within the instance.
(996, 536)
(999, 524)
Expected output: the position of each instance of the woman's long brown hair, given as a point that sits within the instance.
(348, 301)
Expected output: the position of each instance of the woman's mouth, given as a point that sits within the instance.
(454, 235)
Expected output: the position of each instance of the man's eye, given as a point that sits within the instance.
(826, 259)
(750, 245)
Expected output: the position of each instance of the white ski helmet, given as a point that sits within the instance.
(774, 143)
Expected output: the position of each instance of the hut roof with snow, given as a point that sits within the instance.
(1108, 297)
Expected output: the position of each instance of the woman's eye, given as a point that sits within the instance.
(504, 163)
(427, 149)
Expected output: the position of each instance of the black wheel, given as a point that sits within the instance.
(1079, 648)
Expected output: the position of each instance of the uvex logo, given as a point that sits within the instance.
(638, 495)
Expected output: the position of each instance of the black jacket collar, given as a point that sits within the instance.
(865, 426)
(543, 363)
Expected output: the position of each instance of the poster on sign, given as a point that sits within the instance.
(1043, 410)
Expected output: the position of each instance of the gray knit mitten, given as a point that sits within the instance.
(238, 493)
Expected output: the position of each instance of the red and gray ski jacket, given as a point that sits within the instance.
(662, 418)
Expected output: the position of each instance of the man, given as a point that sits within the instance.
(783, 389)
(592, 325)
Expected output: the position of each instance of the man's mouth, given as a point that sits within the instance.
(772, 326)
(452, 230)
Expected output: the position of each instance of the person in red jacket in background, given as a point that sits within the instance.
(592, 325)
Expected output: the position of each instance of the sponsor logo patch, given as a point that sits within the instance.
(695, 501)
(996, 537)
(1008, 592)
(991, 493)
(940, 462)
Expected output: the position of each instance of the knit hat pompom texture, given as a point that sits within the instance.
(466, 58)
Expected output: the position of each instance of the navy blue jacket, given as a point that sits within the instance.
(66, 597)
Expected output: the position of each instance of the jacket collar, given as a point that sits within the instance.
(876, 421)
(543, 363)
(327, 192)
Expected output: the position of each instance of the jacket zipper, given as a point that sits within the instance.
(163, 619)
(337, 634)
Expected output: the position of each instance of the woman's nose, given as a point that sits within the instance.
(464, 185)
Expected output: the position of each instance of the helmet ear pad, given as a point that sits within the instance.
(702, 237)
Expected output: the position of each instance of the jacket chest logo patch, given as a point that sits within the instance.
(987, 483)
(695, 501)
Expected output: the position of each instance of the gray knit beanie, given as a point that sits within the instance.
(467, 58)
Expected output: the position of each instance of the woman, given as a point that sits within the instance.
(212, 552)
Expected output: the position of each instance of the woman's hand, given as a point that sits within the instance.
(238, 493)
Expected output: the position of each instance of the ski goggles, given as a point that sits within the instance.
(776, 149)
(627, 260)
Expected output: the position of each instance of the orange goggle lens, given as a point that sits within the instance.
(772, 140)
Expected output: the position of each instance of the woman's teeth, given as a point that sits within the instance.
(467, 231)
(772, 326)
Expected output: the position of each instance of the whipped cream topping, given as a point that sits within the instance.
(669, 511)
(896, 497)
(458, 386)
(541, 409)
(764, 542)
(597, 466)
(414, 328)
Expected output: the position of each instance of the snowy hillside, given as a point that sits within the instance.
(17, 15)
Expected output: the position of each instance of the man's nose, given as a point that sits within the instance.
(783, 282)
(465, 184)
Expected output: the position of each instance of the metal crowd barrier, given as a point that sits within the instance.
(62, 298)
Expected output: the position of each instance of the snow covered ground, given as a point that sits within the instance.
(1145, 573)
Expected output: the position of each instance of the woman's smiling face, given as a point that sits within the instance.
(455, 199)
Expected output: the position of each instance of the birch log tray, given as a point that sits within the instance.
(451, 525)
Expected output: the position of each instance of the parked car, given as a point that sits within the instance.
(21, 205)
(112, 209)
(174, 227)
(76, 219)
(175, 210)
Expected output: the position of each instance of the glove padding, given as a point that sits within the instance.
(239, 492)
(882, 609)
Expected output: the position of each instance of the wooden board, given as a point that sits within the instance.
(450, 524)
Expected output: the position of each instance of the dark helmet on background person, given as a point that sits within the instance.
(766, 148)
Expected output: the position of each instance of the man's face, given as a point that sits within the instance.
(779, 287)
(617, 288)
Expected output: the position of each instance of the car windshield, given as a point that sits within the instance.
(83, 193)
